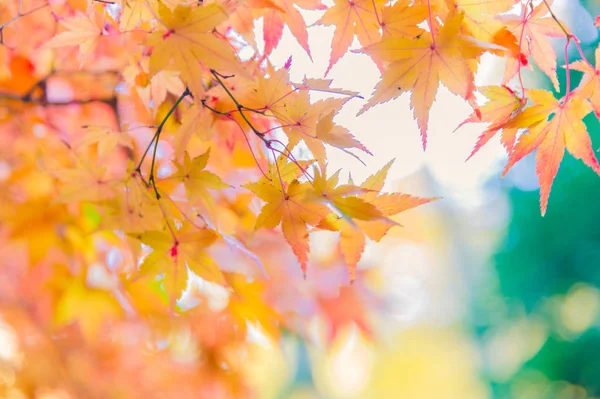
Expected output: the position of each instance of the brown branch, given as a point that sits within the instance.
(42, 100)
(20, 14)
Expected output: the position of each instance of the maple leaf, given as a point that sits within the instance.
(402, 19)
(286, 13)
(153, 90)
(350, 18)
(195, 120)
(105, 138)
(83, 31)
(171, 253)
(134, 210)
(196, 180)
(288, 202)
(343, 198)
(480, 22)
(241, 16)
(84, 182)
(90, 308)
(589, 87)
(335, 135)
(344, 309)
(186, 39)
(553, 125)
(135, 13)
(312, 123)
(419, 65)
(323, 85)
(272, 91)
(369, 216)
(502, 104)
(536, 29)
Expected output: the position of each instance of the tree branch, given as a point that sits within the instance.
(155, 140)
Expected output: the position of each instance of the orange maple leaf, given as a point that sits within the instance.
(293, 212)
(288, 202)
(502, 104)
(590, 82)
(83, 31)
(480, 22)
(553, 125)
(285, 12)
(536, 30)
(368, 216)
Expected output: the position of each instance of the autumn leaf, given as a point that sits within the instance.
(84, 181)
(337, 136)
(135, 13)
(343, 198)
(552, 125)
(351, 18)
(196, 120)
(195, 177)
(186, 39)
(402, 19)
(89, 307)
(344, 309)
(370, 215)
(299, 119)
(589, 87)
(324, 85)
(290, 206)
(106, 139)
(536, 28)
(286, 13)
(83, 31)
(419, 65)
(502, 104)
(171, 253)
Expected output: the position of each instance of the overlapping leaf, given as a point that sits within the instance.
(553, 125)
(419, 65)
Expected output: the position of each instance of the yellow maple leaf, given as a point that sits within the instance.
(186, 39)
(83, 31)
(369, 216)
(419, 65)
(289, 204)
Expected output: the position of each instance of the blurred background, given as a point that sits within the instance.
(483, 298)
(476, 296)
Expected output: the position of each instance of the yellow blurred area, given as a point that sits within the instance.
(423, 362)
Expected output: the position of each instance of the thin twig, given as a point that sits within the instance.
(239, 106)
(155, 140)
(556, 19)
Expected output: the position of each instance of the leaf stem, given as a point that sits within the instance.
(524, 21)
(556, 19)
(430, 21)
(239, 106)
(567, 70)
(376, 13)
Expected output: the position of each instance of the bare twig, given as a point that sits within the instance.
(155, 140)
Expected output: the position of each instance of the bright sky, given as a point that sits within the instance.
(389, 130)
